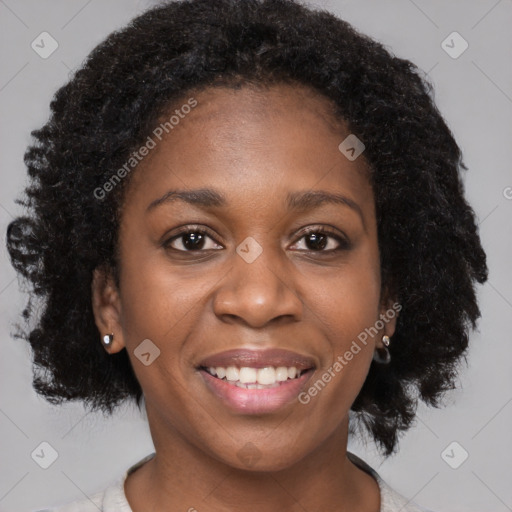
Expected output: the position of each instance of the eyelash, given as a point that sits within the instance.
(343, 242)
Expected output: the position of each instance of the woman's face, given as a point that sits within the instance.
(226, 276)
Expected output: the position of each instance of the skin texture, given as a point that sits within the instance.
(254, 146)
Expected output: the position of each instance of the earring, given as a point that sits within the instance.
(382, 355)
(108, 339)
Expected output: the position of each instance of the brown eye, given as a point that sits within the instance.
(316, 241)
(192, 240)
(322, 240)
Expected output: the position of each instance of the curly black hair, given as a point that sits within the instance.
(431, 255)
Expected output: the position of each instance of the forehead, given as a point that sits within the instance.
(265, 103)
(252, 143)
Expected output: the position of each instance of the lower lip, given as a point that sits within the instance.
(256, 401)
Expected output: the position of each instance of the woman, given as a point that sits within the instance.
(250, 216)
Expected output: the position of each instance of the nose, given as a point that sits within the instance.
(257, 294)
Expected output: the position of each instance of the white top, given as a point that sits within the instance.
(113, 498)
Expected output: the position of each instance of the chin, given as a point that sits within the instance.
(251, 457)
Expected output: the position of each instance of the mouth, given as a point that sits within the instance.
(256, 382)
(255, 378)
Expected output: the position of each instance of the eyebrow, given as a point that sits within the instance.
(307, 200)
(203, 197)
(298, 201)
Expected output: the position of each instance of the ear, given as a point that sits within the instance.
(388, 314)
(106, 305)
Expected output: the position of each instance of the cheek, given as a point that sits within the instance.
(345, 301)
(162, 305)
(159, 301)
(344, 307)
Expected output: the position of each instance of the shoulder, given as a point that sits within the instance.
(112, 499)
(390, 500)
(92, 504)
(109, 500)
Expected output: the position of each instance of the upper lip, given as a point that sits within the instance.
(258, 359)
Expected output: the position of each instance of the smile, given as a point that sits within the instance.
(256, 381)
(255, 378)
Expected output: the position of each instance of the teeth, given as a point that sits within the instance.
(266, 375)
(255, 386)
(282, 373)
(248, 375)
(255, 378)
(232, 374)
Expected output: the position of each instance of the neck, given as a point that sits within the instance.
(181, 476)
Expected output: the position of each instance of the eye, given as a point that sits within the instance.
(315, 239)
(192, 239)
(322, 239)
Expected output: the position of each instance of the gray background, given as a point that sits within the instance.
(474, 93)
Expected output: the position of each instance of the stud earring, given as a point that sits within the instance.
(382, 355)
(108, 339)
